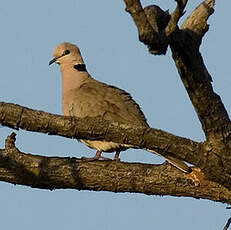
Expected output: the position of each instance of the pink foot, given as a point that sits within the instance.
(116, 157)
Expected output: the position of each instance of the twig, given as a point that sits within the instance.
(227, 224)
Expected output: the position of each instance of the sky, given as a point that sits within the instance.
(108, 41)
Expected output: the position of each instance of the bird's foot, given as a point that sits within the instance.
(116, 157)
(99, 157)
(96, 157)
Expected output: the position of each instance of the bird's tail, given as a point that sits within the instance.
(174, 161)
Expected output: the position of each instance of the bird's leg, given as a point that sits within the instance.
(96, 157)
(116, 157)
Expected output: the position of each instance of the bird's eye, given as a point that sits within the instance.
(66, 52)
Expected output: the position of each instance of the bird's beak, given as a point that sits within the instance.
(52, 61)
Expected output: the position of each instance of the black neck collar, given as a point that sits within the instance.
(80, 67)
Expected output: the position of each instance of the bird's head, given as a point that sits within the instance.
(66, 53)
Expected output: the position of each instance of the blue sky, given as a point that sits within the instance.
(108, 41)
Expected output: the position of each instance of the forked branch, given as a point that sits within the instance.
(158, 30)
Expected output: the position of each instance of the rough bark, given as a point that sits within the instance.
(185, 43)
(56, 172)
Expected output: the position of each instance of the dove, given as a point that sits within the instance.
(83, 96)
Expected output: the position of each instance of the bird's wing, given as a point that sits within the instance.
(98, 99)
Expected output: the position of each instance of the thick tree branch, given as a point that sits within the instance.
(149, 31)
(197, 81)
(56, 172)
(199, 154)
(185, 43)
(197, 20)
(16, 117)
(145, 30)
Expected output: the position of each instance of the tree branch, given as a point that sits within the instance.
(175, 17)
(145, 30)
(56, 172)
(155, 25)
(197, 20)
(198, 154)
(96, 128)
(227, 224)
(185, 43)
(149, 31)
(196, 79)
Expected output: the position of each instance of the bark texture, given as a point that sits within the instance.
(158, 30)
(56, 172)
(185, 43)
